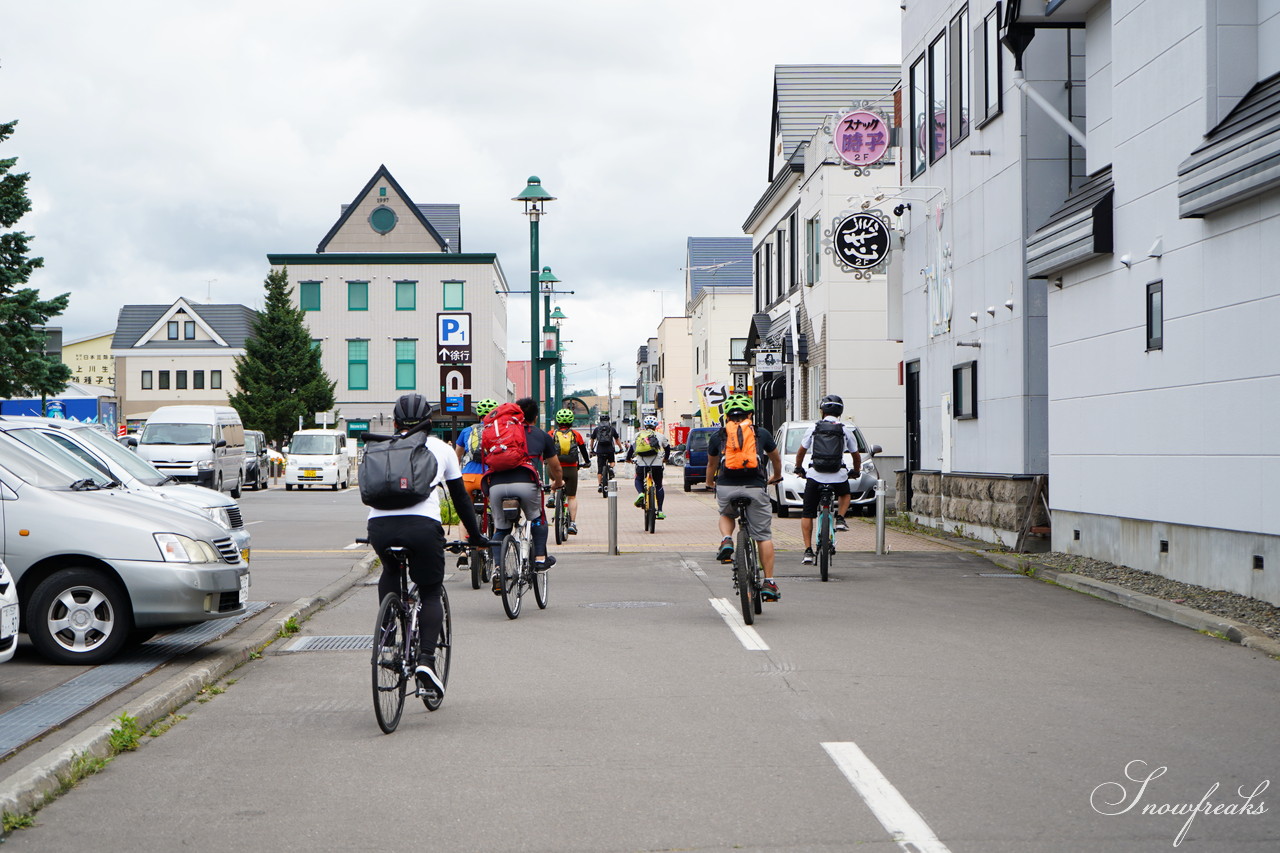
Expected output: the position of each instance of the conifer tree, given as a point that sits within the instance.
(279, 376)
(25, 370)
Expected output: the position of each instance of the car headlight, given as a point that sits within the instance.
(220, 515)
(205, 465)
(183, 549)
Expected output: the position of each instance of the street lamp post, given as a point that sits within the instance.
(534, 198)
(558, 316)
(547, 283)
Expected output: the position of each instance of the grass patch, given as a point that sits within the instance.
(162, 726)
(289, 628)
(11, 821)
(126, 736)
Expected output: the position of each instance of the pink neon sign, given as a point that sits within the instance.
(861, 138)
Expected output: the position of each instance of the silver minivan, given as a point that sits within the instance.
(196, 444)
(95, 567)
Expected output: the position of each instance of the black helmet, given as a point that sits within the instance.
(831, 405)
(604, 417)
(411, 410)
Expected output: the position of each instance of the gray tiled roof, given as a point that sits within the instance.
(804, 95)
(447, 220)
(232, 322)
(720, 262)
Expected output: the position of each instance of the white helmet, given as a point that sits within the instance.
(650, 421)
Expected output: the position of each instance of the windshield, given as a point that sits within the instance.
(33, 468)
(55, 452)
(796, 436)
(698, 441)
(250, 443)
(177, 434)
(132, 463)
(313, 445)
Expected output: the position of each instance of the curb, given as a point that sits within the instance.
(40, 781)
(1187, 617)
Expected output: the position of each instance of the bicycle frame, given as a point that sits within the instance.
(826, 534)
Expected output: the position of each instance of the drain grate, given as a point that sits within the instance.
(830, 578)
(54, 707)
(623, 605)
(330, 644)
(1000, 575)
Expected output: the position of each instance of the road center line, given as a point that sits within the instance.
(747, 635)
(895, 814)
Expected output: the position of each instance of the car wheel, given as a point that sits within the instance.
(288, 487)
(217, 484)
(235, 493)
(78, 616)
(688, 487)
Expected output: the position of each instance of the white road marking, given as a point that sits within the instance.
(747, 635)
(895, 814)
(353, 546)
(693, 567)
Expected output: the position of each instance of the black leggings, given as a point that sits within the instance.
(656, 471)
(424, 537)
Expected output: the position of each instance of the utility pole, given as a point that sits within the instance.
(609, 399)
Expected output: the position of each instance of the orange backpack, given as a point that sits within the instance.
(740, 450)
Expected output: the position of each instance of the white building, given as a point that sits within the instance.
(719, 301)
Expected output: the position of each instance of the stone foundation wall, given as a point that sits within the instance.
(972, 500)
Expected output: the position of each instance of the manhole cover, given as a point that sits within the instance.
(622, 605)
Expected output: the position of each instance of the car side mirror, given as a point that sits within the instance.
(130, 441)
(222, 442)
(875, 448)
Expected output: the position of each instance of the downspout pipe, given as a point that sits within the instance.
(1050, 110)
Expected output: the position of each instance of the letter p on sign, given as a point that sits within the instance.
(453, 330)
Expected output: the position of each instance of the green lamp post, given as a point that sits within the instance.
(535, 199)
(558, 316)
(547, 284)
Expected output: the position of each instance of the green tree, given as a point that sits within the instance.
(25, 370)
(279, 375)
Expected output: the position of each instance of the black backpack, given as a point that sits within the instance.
(397, 473)
(827, 450)
(605, 434)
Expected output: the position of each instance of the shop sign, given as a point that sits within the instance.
(861, 138)
(862, 241)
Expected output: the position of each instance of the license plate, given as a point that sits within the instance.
(8, 621)
(244, 588)
(309, 472)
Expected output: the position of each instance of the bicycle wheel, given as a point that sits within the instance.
(475, 561)
(511, 568)
(757, 577)
(444, 652)
(742, 571)
(650, 506)
(824, 542)
(561, 518)
(540, 581)
(390, 633)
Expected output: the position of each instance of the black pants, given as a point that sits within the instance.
(424, 537)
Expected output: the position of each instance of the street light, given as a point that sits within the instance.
(559, 316)
(535, 199)
(547, 282)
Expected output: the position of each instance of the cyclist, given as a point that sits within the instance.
(468, 447)
(571, 447)
(653, 454)
(418, 528)
(604, 445)
(831, 407)
(745, 447)
(522, 482)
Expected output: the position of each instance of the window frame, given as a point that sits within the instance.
(197, 380)
(959, 105)
(460, 303)
(147, 381)
(162, 380)
(1155, 315)
(305, 289)
(919, 114)
(411, 288)
(964, 388)
(172, 330)
(353, 361)
(411, 363)
(180, 380)
(991, 92)
(189, 330)
(813, 250)
(937, 150)
(355, 287)
(215, 380)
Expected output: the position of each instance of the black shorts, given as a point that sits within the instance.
(605, 457)
(421, 535)
(811, 495)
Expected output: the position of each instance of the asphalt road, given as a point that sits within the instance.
(920, 701)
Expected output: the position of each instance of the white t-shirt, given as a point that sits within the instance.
(447, 468)
(850, 444)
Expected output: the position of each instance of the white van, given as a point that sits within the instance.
(196, 444)
(317, 457)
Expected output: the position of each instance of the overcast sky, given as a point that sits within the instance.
(172, 145)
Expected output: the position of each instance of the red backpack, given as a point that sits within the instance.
(503, 442)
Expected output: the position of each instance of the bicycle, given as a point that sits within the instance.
(560, 518)
(606, 474)
(480, 563)
(396, 651)
(826, 528)
(650, 503)
(748, 577)
(515, 562)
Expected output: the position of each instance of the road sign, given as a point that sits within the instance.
(455, 404)
(453, 338)
(455, 383)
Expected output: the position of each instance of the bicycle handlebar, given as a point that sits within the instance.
(453, 547)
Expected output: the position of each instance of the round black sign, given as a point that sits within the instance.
(862, 241)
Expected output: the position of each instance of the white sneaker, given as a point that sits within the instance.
(428, 681)
(808, 557)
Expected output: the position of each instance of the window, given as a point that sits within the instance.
(164, 380)
(189, 330)
(964, 391)
(197, 380)
(958, 34)
(988, 58)
(358, 365)
(813, 249)
(406, 296)
(215, 379)
(173, 330)
(1155, 315)
(938, 98)
(918, 112)
(316, 344)
(181, 380)
(357, 296)
(453, 295)
(737, 349)
(146, 380)
(309, 295)
(406, 365)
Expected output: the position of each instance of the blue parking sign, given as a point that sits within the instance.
(454, 404)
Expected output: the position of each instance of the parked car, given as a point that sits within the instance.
(788, 495)
(695, 456)
(94, 566)
(196, 444)
(9, 615)
(131, 471)
(257, 465)
(317, 457)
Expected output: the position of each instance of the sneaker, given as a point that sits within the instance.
(573, 529)
(841, 525)
(497, 581)
(725, 554)
(808, 557)
(429, 684)
(551, 502)
(661, 515)
(639, 500)
(463, 563)
(769, 591)
(543, 565)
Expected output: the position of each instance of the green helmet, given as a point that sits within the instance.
(486, 406)
(564, 416)
(739, 403)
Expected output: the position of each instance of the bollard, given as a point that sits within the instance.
(880, 517)
(613, 517)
